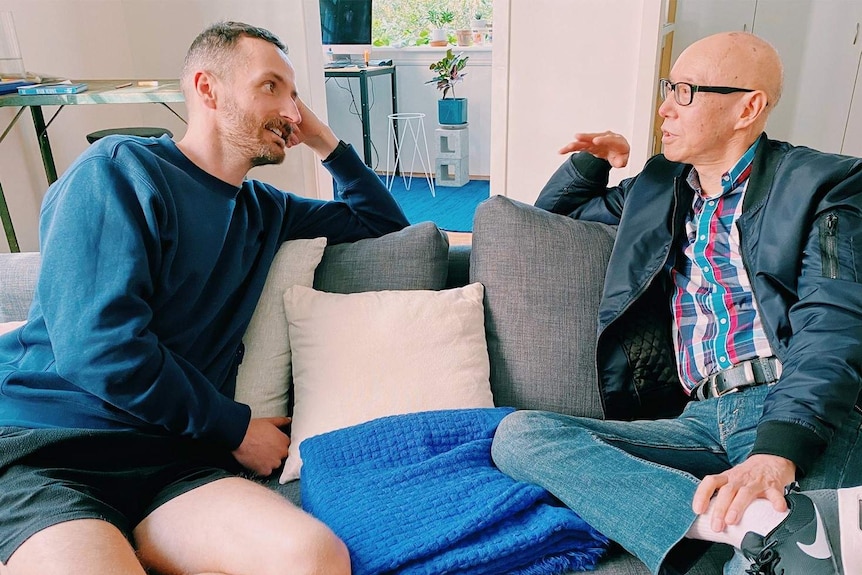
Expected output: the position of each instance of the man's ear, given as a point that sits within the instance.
(754, 108)
(205, 88)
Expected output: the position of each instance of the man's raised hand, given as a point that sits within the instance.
(312, 132)
(606, 145)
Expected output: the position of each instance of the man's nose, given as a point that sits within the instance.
(664, 110)
(291, 111)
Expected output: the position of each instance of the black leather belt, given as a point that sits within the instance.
(758, 371)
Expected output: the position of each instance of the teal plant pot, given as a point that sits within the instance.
(452, 111)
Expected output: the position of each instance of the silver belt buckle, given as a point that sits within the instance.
(704, 388)
(709, 383)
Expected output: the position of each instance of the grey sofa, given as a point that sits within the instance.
(543, 277)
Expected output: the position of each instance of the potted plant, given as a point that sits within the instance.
(448, 72)
(479, 27)
(439, 19)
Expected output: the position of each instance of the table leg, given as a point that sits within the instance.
(7, 224)
(44, 144)
(395, 122)
(366, 123)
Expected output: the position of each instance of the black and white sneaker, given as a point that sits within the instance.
(811, 538)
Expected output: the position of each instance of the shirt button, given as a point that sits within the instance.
(722, 321)
(711, 202)
(705, 268)
(726, 178)
(703, 237)
(722, 359)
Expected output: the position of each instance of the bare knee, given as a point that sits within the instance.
(318, 551)
(82, 546)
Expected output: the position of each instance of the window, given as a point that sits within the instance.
(406, 22)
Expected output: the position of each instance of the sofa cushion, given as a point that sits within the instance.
(263, 378)
(413, 258)
(361, 356)
(18, 274)
(543, 275)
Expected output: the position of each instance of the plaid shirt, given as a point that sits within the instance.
(716, 324)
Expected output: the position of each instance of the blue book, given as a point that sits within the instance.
(9, 86)
(43, 89)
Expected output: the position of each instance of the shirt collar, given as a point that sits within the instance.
(733, 178)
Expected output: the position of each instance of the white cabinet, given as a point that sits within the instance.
(696, 19)
(819, 43)
(853, 134)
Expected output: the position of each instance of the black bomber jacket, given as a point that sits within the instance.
(801, 241)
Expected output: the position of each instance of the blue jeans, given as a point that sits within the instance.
(634, 481)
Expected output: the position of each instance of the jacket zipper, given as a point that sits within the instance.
(829, 246)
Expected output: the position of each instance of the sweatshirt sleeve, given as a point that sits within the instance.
(364, 207)
(100, 253)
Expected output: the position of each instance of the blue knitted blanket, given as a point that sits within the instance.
(419, 494)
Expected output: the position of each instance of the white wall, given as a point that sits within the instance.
(135, 39)
(567, 66)
(414, 95)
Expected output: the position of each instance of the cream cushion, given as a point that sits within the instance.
(263, 379)
(360, 356)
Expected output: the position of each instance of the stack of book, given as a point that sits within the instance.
(60, 88)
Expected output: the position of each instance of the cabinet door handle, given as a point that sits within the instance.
(856, 37)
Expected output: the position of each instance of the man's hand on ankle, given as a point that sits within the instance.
(759, 476)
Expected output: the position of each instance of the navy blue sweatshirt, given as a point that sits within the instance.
(151, 270)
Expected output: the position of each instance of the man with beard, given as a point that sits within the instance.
(120, 443)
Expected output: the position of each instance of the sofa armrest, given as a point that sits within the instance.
(18, 274)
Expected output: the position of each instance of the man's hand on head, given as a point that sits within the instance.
(606, 145)
(759, 476)
(264, 447)
(312, 132)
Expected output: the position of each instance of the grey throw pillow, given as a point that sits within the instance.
(413, 258)
(543, 275)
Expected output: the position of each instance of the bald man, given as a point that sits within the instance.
(746, 253)
(122, 449)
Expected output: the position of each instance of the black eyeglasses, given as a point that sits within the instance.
(683, 92)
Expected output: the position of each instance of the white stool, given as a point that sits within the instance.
(412, 123)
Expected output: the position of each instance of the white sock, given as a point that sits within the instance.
(760, 517)
(849, 505)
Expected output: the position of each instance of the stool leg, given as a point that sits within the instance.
(390, 177)
(427, 164)
(414, 131)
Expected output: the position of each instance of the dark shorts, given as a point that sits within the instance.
(49, 476)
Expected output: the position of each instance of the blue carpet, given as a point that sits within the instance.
(451, 210)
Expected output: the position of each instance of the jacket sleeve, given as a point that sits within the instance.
(820, 379)
(579, 189)
(364, 208)
(100, 250)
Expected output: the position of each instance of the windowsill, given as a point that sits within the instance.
(479, 55)
(429, 48)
